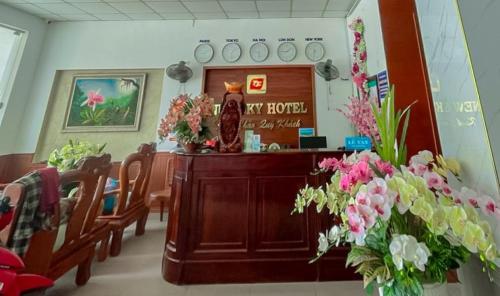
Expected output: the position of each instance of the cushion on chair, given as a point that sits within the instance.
(61, 236)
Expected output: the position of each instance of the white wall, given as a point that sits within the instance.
(368, 11)
(153, 44)
(20, 93)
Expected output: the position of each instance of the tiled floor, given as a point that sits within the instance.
(137, 271)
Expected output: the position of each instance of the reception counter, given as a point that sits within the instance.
(229, 220)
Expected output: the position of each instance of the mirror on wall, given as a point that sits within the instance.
(457, 105)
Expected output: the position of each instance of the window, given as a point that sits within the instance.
(11, 44)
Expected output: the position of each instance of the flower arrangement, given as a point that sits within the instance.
(406, 225)
(188, 119)
(66, 157)
(359, 69)
(359, 108)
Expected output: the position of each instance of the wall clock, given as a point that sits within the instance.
(287, 51)
(315, 51)
(259, 52)
(203, 53)
(231, 52)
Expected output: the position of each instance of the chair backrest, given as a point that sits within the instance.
(91, 174)
(132, 192)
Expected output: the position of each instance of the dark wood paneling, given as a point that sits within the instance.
(285, 83)
(277, 230)
(407, 71)
(230, 220)
(220, 207)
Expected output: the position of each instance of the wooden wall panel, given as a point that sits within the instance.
(222, 223)
(277, 230)
(285, 83)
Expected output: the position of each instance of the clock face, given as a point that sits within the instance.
(203, 53)
(287, 51)
(231, 52)
(315, 51)
(259, 52)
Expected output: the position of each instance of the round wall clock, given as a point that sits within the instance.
(259, 52)
(287, 51)
(203, 53)
(231, 52)
(315, 51)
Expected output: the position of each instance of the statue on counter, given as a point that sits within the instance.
(232, 110)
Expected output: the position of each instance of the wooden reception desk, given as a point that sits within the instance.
(229, 220)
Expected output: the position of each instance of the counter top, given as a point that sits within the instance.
(207, 152)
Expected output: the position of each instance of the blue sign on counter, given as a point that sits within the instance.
(358, 143)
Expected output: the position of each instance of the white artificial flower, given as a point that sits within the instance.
(423, 157)
(334, 235)
(396, 249)
(408, 248)
(323, 243)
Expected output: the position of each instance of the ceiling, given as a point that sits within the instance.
(118, 10)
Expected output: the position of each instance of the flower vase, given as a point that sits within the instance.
(189, 147)
(434, 289)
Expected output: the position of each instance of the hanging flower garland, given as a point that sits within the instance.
(359, 71)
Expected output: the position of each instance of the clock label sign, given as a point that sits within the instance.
(286, 39)
(314, 39)
(258, 39)
(232, 40)
(205, 41)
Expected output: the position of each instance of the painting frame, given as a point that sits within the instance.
(112, 74)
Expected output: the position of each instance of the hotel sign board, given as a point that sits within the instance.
(279, 99)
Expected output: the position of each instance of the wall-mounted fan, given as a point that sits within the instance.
(180, 72)
(329, 72)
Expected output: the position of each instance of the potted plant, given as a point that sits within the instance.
(189, 119)
(67, 157)
(407, 227)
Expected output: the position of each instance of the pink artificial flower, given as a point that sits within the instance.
(363, 56)
(380, 206)
(418, 169)
(385, 167)
(355, 68)
(343, 167)
(488, 205)
(446, 189)
(345, 183)
(329, 164)
(362, 198)
(434, 180)
(356, 224)
(377, 186)
(357, 37)
(368, 215)
(361, 172)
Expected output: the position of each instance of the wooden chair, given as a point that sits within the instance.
(130, 206)
(163, 196)
(78, 243)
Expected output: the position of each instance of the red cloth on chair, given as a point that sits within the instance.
(50, 190)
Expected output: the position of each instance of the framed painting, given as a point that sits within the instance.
(105, 102)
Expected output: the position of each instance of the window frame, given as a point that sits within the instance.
(12, 68)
